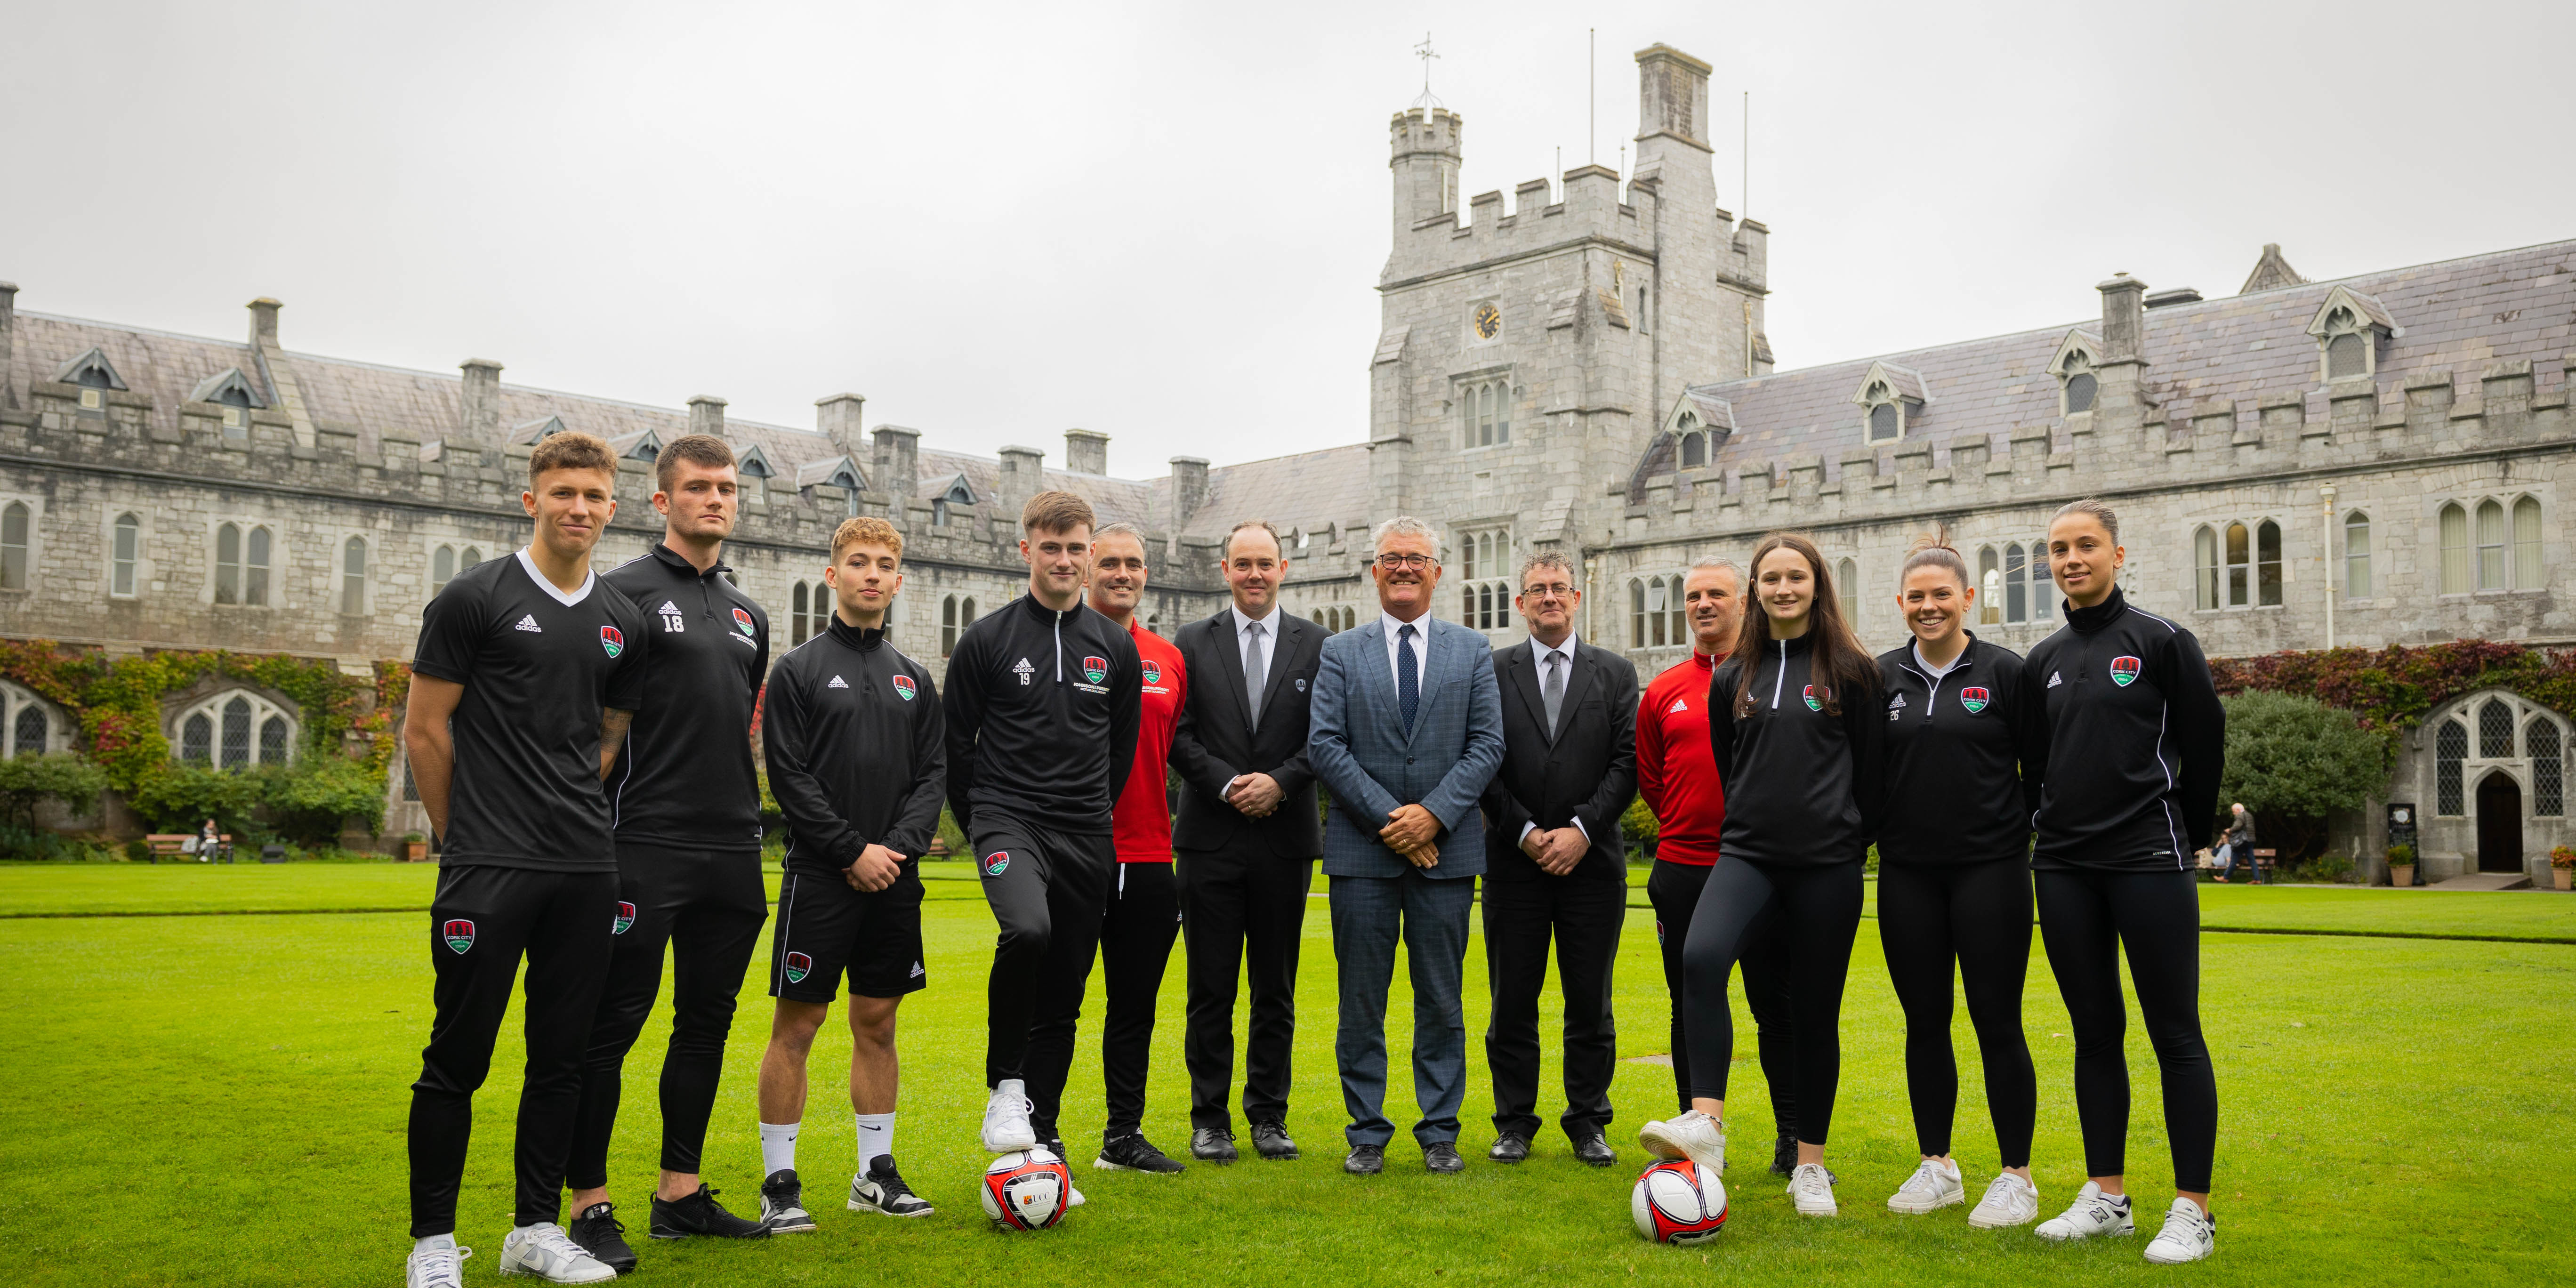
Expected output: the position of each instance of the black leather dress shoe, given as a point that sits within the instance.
(1442, 1156)
(1212, 1145)
(1271, 1140)
(1595, 1151)
(1511, 1147)
(1365, 1160)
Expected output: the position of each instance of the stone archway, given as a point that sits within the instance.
(2499, 823)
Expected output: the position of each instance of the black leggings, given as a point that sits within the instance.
(1674, 889)
(1818, 910)
(1979, 915)
(2087, 916)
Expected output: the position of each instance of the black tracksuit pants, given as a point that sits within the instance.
(1582, 912)
(1135, 946)
(1818, 907)
(1978, 915)
(2088, 916)
(1049, 890)
(1243, 915)
(709, 908)
(1674, 890)
(480, 922)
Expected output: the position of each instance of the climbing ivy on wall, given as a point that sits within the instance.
(2390, 691)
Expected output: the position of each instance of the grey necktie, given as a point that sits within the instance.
(1256, 676)
(1551, 689)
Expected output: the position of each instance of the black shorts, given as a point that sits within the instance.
(825, 928)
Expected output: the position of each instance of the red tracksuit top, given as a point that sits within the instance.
(1141, 823)
(1676, 771)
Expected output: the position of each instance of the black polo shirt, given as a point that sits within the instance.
(684, 778)
(539, 669)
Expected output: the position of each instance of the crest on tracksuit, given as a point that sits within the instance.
(460, 935)
(611, 640)
(1813, 703)
(625, 918)
(1153, 672)
(1973, 701)
(1095, 669)
(903, 687)
(997, 863)
(742, 621)
(2124, 670)
(798, 967)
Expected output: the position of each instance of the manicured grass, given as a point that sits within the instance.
(220, 1100)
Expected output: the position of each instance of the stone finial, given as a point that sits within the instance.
(838, 419)
(1086, 451)
(263, 322)
(706, 415)
(2271, 272)
(2123, 317)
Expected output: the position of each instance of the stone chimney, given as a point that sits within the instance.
(8, 344)
(2124, 315)
(1086, 451)
(838, 419)
(479, 425)
(1189, 488)
(263, 322)
(1023, 476)
(706, 415)
(897, 459)
(2121, 403)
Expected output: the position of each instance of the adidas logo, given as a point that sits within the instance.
(529, 624)
(837, 683)
(1679, 705)
(1898, 704)
(667, 607)
(2052, 679)
(916, 970)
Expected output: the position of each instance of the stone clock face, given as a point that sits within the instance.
(1489, 321)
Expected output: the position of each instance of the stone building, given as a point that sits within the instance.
(1581, 367)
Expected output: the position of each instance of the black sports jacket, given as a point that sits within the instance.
(2129, 705)
(1042, 715)
(684, 777)
(1802, 786)
(857, 756)
(1954, 751)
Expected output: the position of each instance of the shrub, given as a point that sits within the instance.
(309, 803)
(2401, 856)
(184, 796)
(2561, 856)
(29, 781)
(1641, 828)
(36, 843)
(2292, 759)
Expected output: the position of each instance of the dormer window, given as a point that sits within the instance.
(1694, 446)
(1700, 423)
(1886, 418)
(2076, 366)
(1890, 397)
(2348, 328)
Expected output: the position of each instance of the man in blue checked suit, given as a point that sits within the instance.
(1407, 727)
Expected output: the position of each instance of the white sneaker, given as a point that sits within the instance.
(1006, 1118)
(1072, 1197)
(544, 1250)
(1812, 1188)
(1933, 1186)
(2009, 1201)
(1693, 1135)
(436, 1268)
(2189, 1235)
(2092, 1215)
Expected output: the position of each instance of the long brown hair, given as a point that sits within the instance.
(1837, 659)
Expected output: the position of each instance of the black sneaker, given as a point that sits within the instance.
(1133, 1153)
(1215, 1144)
(699, 1213)
(881, 1189)
(1784, 1154)
(603, 1236)
(1271, 1140)
(782, 1204)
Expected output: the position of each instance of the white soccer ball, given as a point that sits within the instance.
(1025, 1189)
(1678, 1201)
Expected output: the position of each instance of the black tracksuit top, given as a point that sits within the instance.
(684, 777)
(856, 746)
(1954, 752)
(1802, 786)
(2127, 697)
(1043, 709)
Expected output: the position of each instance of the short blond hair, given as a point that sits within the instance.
(1055, 512)
(865, 530)
(570, 450)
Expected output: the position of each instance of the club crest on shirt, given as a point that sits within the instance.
(742, 621)
(625, 918)
(1095, 669)
(903, 687)
(1813, 702)
(1973, 701)
(2124, 670)
(798, 967)
(1152, 671)
(611, 641)
(460, 935)
(996, 863)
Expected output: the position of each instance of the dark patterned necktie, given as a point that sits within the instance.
(1408, 677)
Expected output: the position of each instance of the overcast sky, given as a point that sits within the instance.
(1166, 223)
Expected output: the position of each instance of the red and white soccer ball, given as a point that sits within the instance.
(1026, 1189)
(1678, 1201)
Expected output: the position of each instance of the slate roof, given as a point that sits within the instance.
(2464, 314)
(1306, 491)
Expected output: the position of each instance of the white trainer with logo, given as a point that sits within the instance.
(544, 1250)
(2189, 1235)
(2093, 1215)
(1811, 1187)
(1006, 1118)
(2010, 1201)
(1933, 1186)
(1693, 1135)
(436, 1268)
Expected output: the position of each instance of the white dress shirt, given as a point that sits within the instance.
(1538, 655)
(1421, 638)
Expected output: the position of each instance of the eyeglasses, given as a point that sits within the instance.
(1394, 562)
(1552, 590)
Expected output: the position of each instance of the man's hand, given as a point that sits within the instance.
(1410, 828)
(1534, 844)
(1256, 795)
(1563, 850)
(874, 869)
(1425, 855)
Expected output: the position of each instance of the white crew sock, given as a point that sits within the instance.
(876, 1139)
(778, 1148)
(435, 1241)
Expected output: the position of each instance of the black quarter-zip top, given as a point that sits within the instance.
(684, 777)
(857, 751)
(1803, 786)
(1954, 752)
(1043, 708)
(2129, 742)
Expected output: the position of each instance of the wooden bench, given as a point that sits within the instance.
(173, 845)
(2264, 865)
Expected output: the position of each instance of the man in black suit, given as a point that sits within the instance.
(1556, 862)
(1246, 840)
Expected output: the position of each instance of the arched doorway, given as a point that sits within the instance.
(2499, 824)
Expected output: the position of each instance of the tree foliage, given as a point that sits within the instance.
(310, 803)
(29, 781)
(2292, 760)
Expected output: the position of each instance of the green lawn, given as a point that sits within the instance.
(220, 1100)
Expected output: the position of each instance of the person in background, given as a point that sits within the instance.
(2239, 843)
